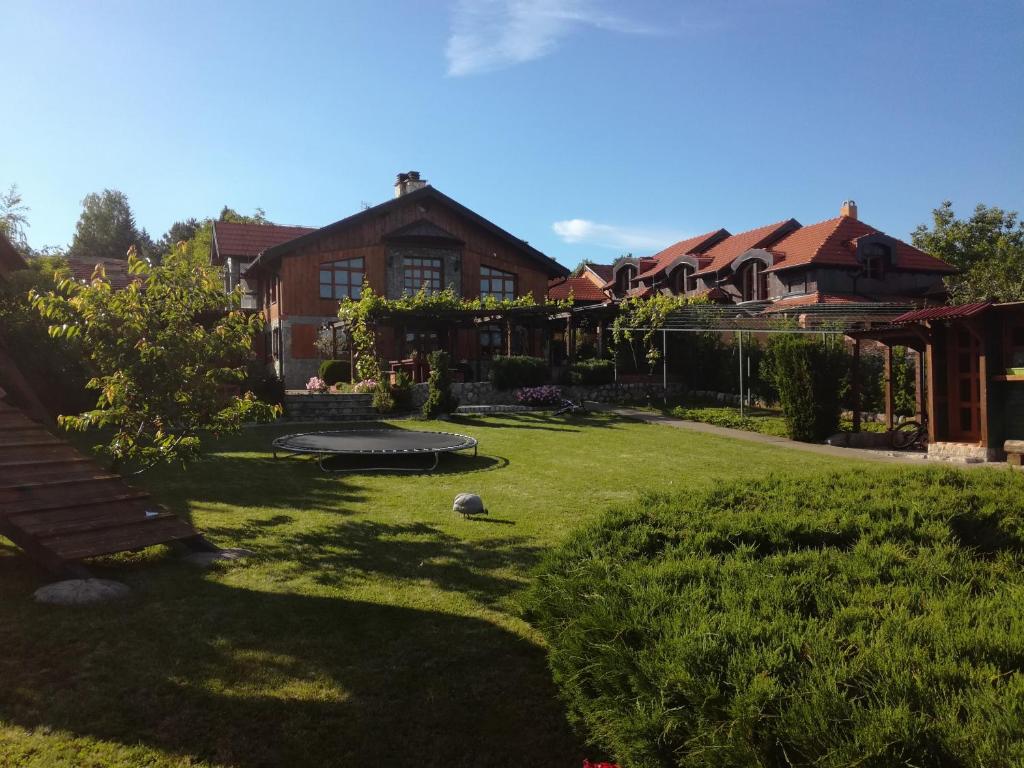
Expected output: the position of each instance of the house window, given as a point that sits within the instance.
(753, 281)
(342, 279)
(683, 280)
(624, 278)
(492, 342)
(422, 273)
(421, 342)
(494, 282)
(876, 258)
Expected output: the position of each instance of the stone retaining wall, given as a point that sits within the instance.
(304, 406)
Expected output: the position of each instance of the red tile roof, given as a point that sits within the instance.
(834, 242)
(582, 289)
(725, 252)
(246, 241)
(838, 298)
(116, 271)
(694, 245)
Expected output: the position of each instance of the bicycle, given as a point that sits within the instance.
(910, 435)
(571, 408)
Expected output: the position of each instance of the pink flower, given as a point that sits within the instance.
(316, 384)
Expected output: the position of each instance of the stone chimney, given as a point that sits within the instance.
(849, 208)
(408, 182)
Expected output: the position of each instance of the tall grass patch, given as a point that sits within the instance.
(863, 620)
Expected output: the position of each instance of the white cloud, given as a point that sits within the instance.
(586, 232)
(493, 34)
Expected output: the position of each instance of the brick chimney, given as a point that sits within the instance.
(849, 208)
(408, 182)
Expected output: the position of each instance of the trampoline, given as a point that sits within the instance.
(374, 442)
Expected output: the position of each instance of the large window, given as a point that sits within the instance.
(753, 281)
(342, 279)
(419, 272)
(492, 341)
(682, 280)
(876, 259)
(623, 278)
(494, 282)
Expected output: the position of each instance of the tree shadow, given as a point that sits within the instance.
(208, 672)
(351, 551)
(540, 421)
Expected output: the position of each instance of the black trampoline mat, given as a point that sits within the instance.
(374, 441)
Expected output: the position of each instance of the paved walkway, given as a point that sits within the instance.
(652, 417)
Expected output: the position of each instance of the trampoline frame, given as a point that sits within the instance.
(470, 442)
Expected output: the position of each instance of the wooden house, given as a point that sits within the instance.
(419, 239)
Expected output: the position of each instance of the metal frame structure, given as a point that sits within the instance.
(280, 444)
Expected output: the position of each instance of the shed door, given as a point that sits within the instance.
(964, 386)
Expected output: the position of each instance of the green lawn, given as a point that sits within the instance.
(373, 627)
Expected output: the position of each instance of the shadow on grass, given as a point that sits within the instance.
(540, 421)
(196, 669)
(356, 550)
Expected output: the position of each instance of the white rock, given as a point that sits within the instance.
(81, 592)
(467, 504)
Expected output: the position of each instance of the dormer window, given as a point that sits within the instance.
(752, 281)
(683, 280)
(876, 260)
(624, 278)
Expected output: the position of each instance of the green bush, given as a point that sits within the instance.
(401, 391)
(439, 387)
(810, 376)
(518, 371)
(592, 372)
(383, 400)
(865, 620)
(765, 423)
(334, 371)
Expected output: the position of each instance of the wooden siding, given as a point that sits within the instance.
(300, 270)
(304, 341)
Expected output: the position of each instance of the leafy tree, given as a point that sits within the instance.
(987, 248)
(167, 353)
(13, 218)
(231, 215)
(106, 228)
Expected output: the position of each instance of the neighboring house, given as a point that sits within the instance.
(116, 270)
(236, 246)
(586, 288)
(841, 260)
(420, 239)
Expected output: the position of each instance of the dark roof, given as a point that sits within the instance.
(958, 312)
(246, 241)
(10, 259)
(116, 270)
(554, 269)
(422, 229)
(604, 271)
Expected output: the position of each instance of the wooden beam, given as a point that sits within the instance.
(919, 385)
(983, 390)
(930, 372)
(855, 385)
(890, 400)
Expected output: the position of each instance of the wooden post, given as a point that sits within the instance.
(983, 390)
(600, 339)
(890, 401)
(919, 385)
(664, 361)
(929, 357)
(855, 385)
(740, 335)
(570, 340)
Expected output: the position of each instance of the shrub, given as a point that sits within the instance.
(592, 372)
(730, 417)
(383, 401)
(365, 386)
(810, 377)
(870, 620)
(546, 395)
(439, 387)
(401, 391)
(316, 384)
(518, 371)
(334, 371)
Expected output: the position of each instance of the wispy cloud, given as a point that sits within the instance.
(586, 232)
(493, 34)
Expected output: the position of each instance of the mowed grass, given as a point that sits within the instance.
(373, 627)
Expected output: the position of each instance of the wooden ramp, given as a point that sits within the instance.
(61, 507)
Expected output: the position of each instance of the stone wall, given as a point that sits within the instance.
(303, 406)
(483, 393)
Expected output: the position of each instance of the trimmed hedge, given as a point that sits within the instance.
(518, 371)
(864, 620)
(810, 378)
(333, 371)
(439, 400)
(592, 372)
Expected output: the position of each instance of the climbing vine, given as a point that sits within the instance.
(645, 316)
(358, 317)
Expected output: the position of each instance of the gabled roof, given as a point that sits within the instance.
(553, 268)
(582, 289)
(693, 245)
(834, 242)
(603, 271)
(10, 259)
(246, 241)
(116, 270)
(725, 252)
(958, 312)
(421, 229)
(642, 264)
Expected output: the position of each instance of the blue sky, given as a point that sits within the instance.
(588, 128)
